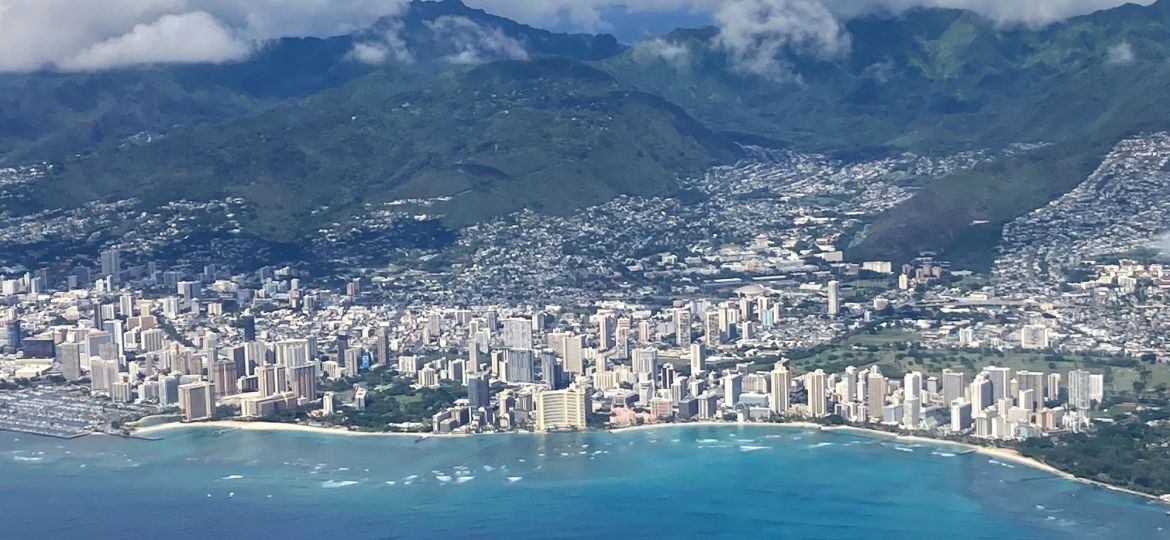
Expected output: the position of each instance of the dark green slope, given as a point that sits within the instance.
(932, 79)
(551, 135)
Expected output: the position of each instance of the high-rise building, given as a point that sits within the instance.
(14, 335)
(520, 366)
(561, 409)
(732, 388)
(698, 359)
(225, 375)
(875, 394)
(1079, 390)
(168, 390)
(382, 346)
(604, 331)
(960, 415)
(912, 413)
(850, 380)
(982, 395)
(247, 325)
(69, 359)
(815, 383)
(912, 386)
(293, 352)
(303, 381)
(478, 391)
(1001, 379)
(517, 333)
(781, 384)
(111, 263)
(197, 400)
(1052, 388)
(1034, 381)
(953, 384)
(575, 354)
(645, 363)
(271, 379)
(681, 319)
(834, 298)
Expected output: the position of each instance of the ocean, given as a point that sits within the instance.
(674, 482)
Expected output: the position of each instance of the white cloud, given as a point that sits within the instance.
(1120, 54)
(38, 34)
(389, 46)
(191, 37)
(63, 34)
(757, 33)
(675, 54)
(473, 43)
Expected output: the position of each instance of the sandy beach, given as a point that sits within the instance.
(275, 426)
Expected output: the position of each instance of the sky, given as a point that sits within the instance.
(86, 35)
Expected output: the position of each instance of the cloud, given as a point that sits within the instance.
(91, 34)
(472, 43)
(389, 46)
(1120, 54)
(757, 33)
(36, 34)
(675, 54)
(191, 37)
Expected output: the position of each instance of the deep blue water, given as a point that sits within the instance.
(677, 482)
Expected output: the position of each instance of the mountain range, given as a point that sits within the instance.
(445, 100)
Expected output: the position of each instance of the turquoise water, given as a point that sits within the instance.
(677, 482)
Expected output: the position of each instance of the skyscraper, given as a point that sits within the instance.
(521, 366)
(781, 383)
(1079, 390)
(953, 383)
(14, 335)
(478, 391)
(875, 390)
(517, 333)
(69, 358)
(732, 388)
(111, 263)
(561, 409)
(1001, 379)
(574, 354)
(197, 400)
(817, 402)
(698, 359)
(834, 298)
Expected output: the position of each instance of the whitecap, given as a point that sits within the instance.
(488, 468)
(231, 494)
(707, 441)
(745, 441)
(390, 482)
(411, 477)
(748, 448)
(232, 477)
(26, 458)
(442, 478)
(343, 469)
(521, 460)
(463, 479)
(515, 479)
(581, 453)
(819, 445)
(903, 449)
(331, 484)
(943, 454)
(564, 453)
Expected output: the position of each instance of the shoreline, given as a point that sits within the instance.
(1006, 454)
